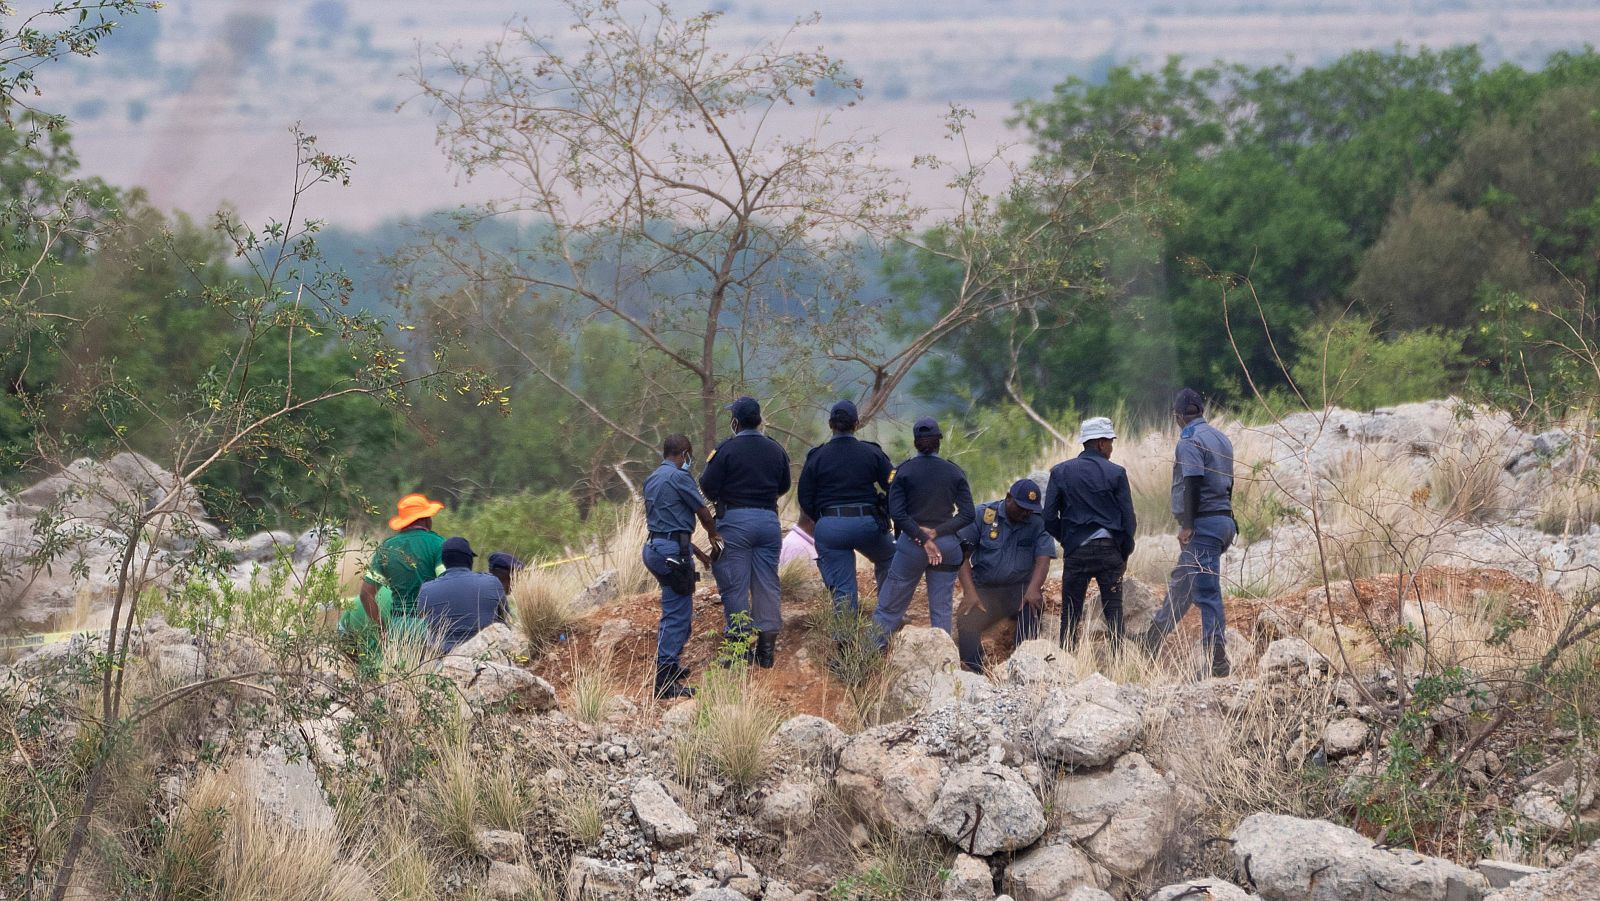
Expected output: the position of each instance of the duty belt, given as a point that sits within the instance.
(668, 536)
(851, 510)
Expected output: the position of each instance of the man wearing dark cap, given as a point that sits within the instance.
(842, 485)
(1202, 502)
(744, 477)
(929, 502)
(458, 604)
(672, 503)
(1008, 555)
(504, 566)
(1089, 509)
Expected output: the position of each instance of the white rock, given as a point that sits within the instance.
(718, 894)
(1050, 873)
(496, 641)
(1089, 724)
(509, 881)
(1203, 890)
(1085, 893)
(924, 670)
(486, 682)
(892, 784)
(1502, 873)
(590, 878)
(1038, 664)
(787, 807)
(1344, 737)
(1573, 881)
(286, 789)
(1291, 657)
(811, 738)
(662, 820)
(984, 810)
(502, 845)
(1125, 814)
(1290, 858)
(180, 663)
(970, 879)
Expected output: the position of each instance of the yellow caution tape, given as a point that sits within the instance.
(562, 562)
(43, 638)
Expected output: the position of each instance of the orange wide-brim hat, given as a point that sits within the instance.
(411, 508)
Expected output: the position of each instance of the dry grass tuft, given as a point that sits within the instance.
(405, 870)
(448, 800)
(504, 801)
(541, 606)
(734, 720)
(592, 692)
(222, 845)
(581, 812)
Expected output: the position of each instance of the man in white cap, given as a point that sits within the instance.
(1089, 509)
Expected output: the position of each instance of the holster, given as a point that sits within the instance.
(880, 512)
(681, 574)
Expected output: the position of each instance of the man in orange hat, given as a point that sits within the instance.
(407, 559)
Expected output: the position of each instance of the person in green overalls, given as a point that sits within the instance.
(401, 564)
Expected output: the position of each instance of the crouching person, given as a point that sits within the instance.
(461, 602)
(1004, 572)
(672, 502)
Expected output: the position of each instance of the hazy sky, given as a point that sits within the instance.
(194, 102)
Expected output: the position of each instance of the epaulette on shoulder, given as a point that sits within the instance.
(871, 443)
(812, 451)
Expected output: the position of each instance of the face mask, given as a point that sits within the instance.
(688, 462)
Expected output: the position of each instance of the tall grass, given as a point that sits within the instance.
(591, 692)
(448, 799)
(734, 721)
(541, 606)
(223, 846)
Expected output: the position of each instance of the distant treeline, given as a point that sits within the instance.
(1388, 227)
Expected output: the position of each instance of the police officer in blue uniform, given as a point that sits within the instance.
(929, 502)
(1008, 554)
(844, 486)
(672, 502)
(744, 477)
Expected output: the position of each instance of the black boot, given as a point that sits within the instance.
(668, 685)
(766, 644)
(1219, 660)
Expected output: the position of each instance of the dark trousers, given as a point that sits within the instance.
(995, 603)
(1100, 561)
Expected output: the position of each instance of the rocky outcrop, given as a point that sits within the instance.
(485, 683)
(987, 809)
(662, 820)
(970, 879)
(1088, 724)
(1290, 859)
(1577, 880)
(1050, 873)
(1123, 816)
(888, 780)
(925, 670)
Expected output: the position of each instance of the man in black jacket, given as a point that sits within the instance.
(1089, 509)
(841, 484)
(929, 502)
(744, 477)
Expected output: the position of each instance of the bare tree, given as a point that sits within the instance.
(666, 196)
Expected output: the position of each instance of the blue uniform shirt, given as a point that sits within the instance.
(1204, 451)
(747, 470)
(928, 490)
(458, 604)
(670, 499)
(1003, 552)
(845, 471)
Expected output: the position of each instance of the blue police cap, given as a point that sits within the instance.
(503, 560)
(844, 410)
(745, 408)
(458, 545)
(926, 426)
(1026, 493)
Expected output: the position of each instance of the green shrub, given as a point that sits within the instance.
(1349, 364)
(531, 525)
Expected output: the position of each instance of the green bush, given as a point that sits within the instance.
(1349, 364)
(531, 525)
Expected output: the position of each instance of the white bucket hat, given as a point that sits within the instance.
(1096, 427)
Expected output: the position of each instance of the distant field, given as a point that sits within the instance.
(195, 105)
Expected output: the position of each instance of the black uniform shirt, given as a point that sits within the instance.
(929, 490)
(843, 472)
(747, 470)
